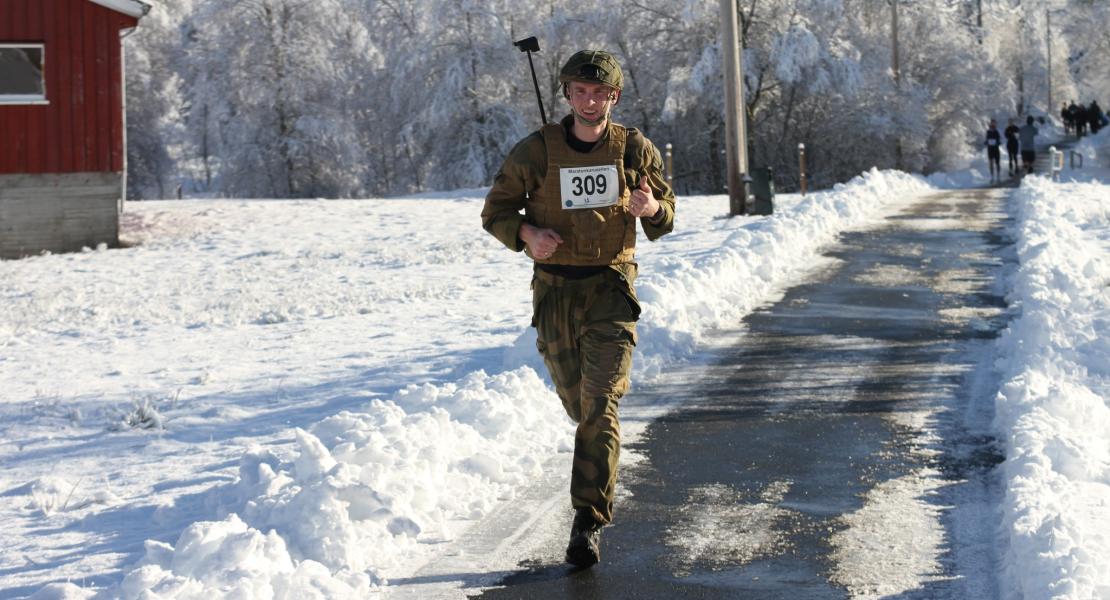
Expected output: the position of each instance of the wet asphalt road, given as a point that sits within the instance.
(865, 375)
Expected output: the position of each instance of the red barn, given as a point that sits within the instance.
(62, 122)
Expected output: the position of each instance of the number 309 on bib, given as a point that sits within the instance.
(589, 187)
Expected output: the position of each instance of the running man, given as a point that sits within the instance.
(1027, 134)
(584, 185)
(994, 150)
(1012, 146)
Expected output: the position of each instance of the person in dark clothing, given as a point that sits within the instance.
(1012, 146)
(1027, 135)
(1065, 116)
(994, 150)
(1094, 116)
(1080, 117)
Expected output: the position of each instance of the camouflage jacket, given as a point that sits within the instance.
(526, 167)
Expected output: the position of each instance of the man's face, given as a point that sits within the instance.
(591, 102)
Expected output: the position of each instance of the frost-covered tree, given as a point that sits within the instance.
(803, 82)
(284, 96)
(1088, 60)
(958, 86)
(1019, 33)
(156, 138)
(454, 92)
(295, 98)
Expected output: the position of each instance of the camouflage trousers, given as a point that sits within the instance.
(586, 330)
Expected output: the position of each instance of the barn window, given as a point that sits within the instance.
(21, 74)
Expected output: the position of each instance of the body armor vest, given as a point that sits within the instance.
(591, 236)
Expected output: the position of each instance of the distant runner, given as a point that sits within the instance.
(1095, 117)
(1012, 146)
(583, 184)
(994, 150)
(1026, 136)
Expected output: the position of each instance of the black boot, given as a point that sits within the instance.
(584, 550)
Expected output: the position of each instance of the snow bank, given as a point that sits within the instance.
(1095, 150)
(1052, 408)
(366, 492)
(363, 491)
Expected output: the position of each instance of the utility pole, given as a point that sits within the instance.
(1048, 40)
(897, 76)
(1021, 60)
(894, 44)
(979, 21)
(735, 121)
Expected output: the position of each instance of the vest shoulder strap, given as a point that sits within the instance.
(634, 149)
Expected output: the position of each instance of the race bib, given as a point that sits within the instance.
(589, 187)
(992, 142)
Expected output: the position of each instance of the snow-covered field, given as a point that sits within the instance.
(297, 399)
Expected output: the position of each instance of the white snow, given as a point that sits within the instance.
(1052, 408)
(297, 399)
(891, 563)
(732, 530)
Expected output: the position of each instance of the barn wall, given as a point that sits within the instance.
(81, 129)
(60, 212)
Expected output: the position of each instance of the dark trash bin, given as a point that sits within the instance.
(761, 194)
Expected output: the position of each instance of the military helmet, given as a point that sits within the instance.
(593, 66)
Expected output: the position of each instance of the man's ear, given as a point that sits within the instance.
(617, 98)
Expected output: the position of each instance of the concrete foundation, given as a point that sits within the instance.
(58, 212)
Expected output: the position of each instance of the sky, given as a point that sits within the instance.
(313, 398)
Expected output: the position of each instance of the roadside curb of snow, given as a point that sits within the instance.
(1046, 409)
